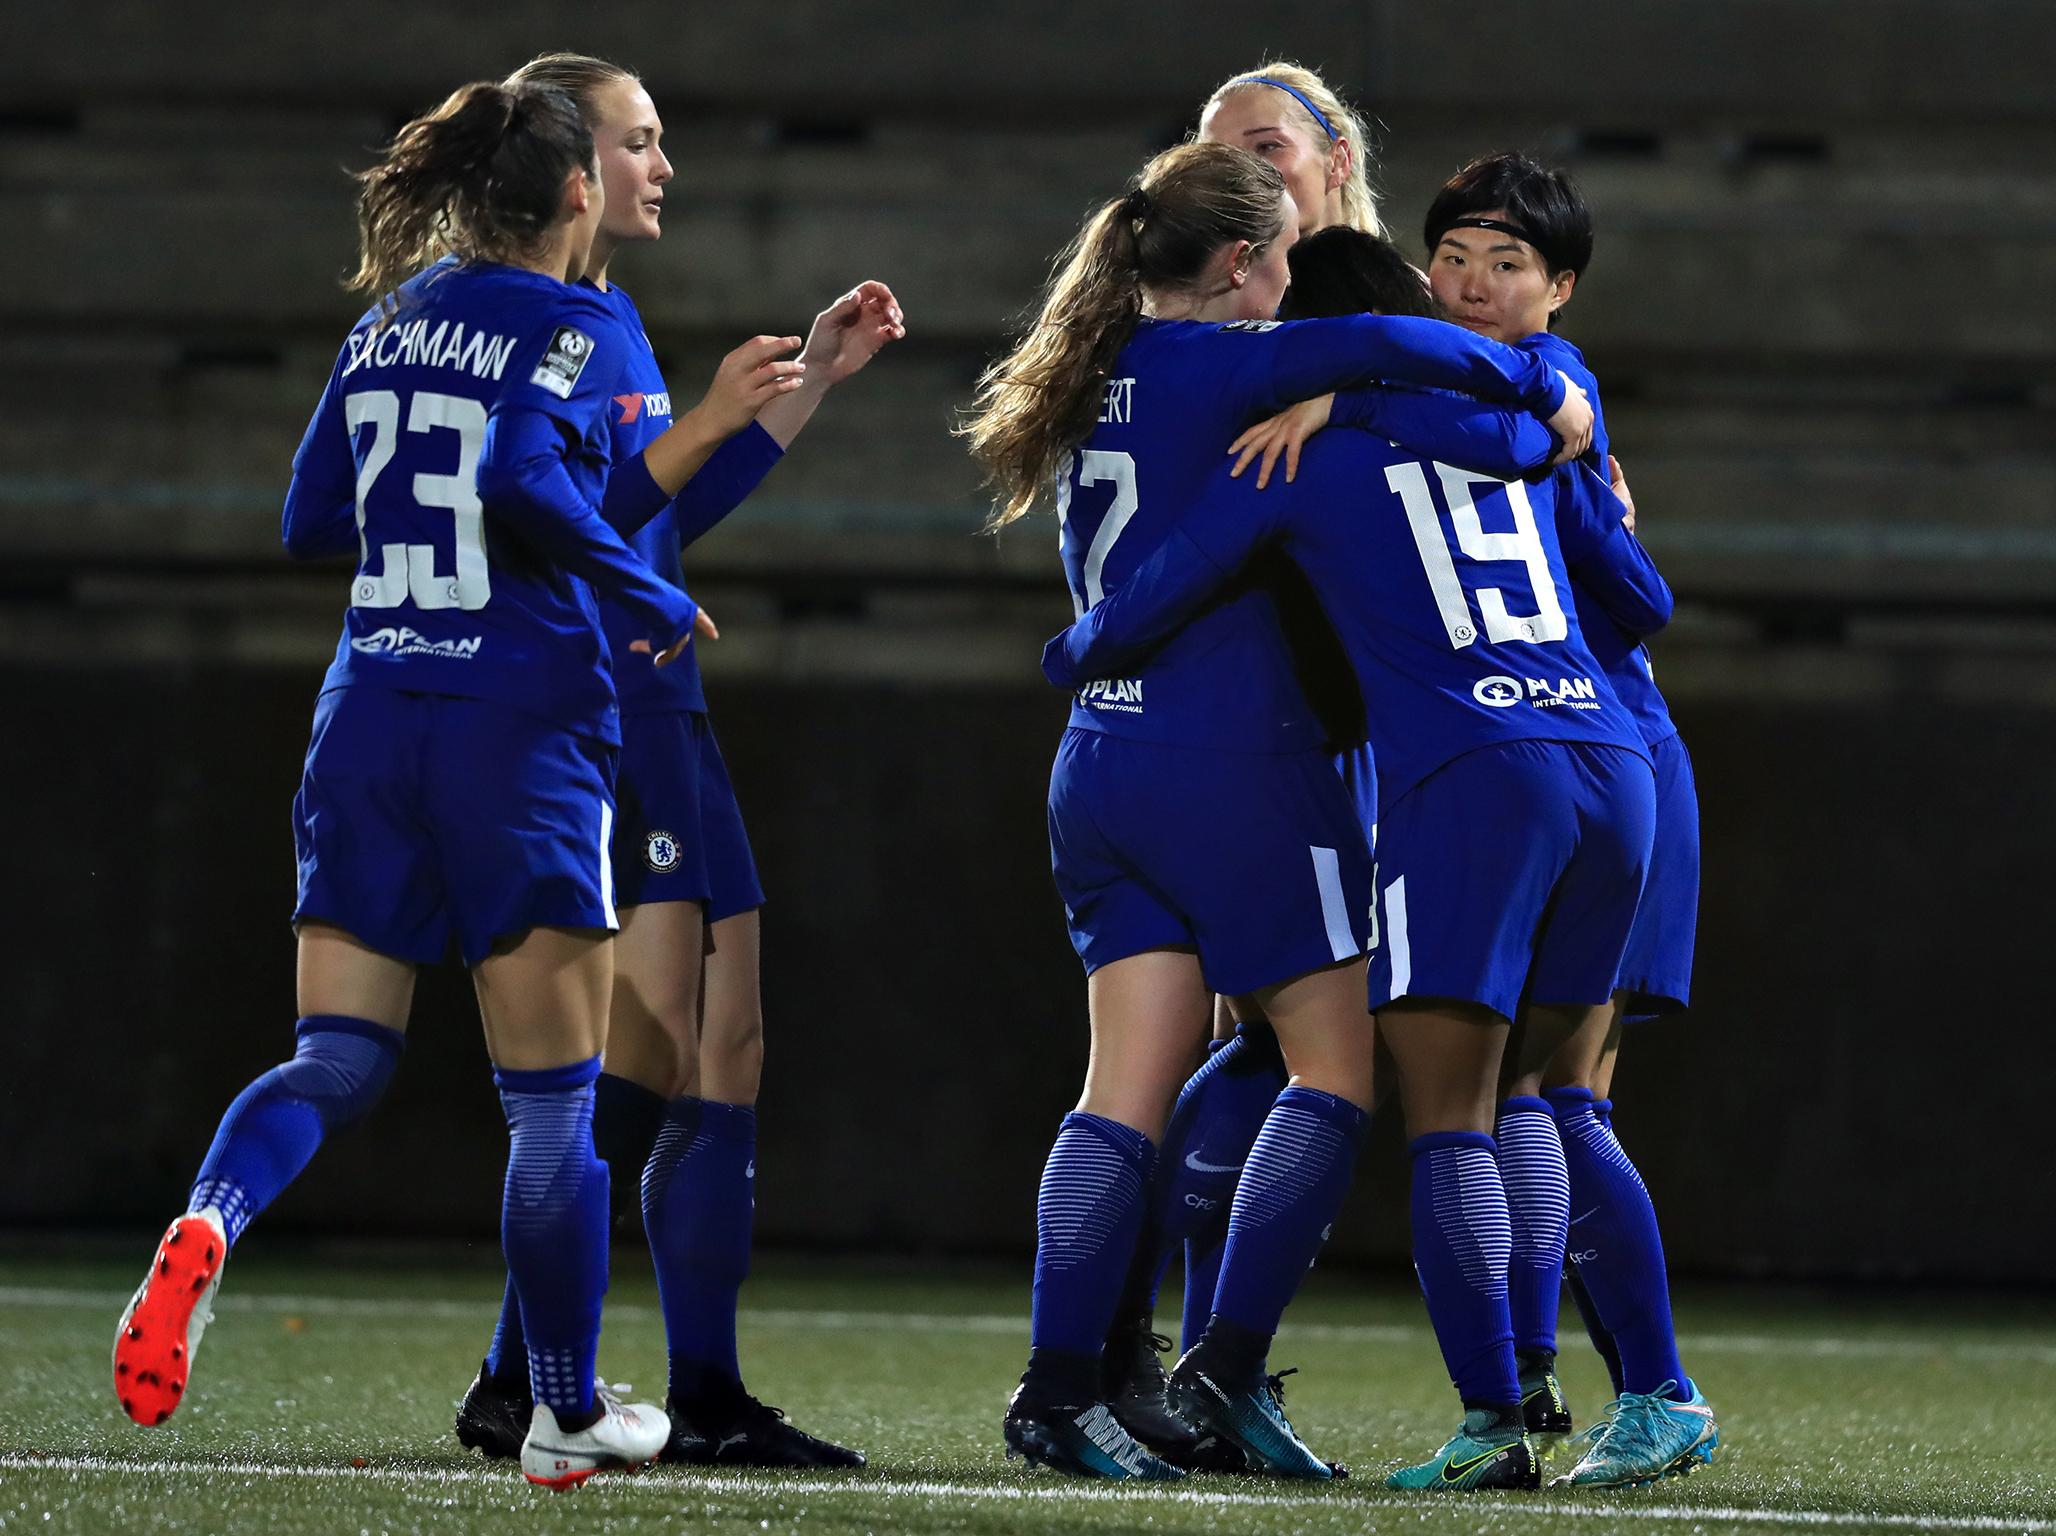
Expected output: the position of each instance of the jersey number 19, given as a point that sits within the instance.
(1410, 483)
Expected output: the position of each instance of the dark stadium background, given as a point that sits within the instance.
(1823, 307)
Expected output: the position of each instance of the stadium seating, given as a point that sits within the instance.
(1816, 376)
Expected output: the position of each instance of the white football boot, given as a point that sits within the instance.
(625, 1435)
(160, 1331)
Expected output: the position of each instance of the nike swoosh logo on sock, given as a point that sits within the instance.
(1194, 1162)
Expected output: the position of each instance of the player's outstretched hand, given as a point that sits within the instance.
(750, 378)
(1572, 421)
(702, 624)
(851, 331)
(1285, 433)
(1619, 482)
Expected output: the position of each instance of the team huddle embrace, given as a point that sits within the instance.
(1367, 787)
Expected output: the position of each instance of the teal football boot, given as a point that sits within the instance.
(1648, 1435)
(1491, 1451)
(1249, 1415)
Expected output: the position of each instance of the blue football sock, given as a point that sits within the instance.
(1087, 1217)
(1291, 1191)
(1462, 1243)
(626, 1120)
(339, 1068)
(1218, 1114)
(1204, 1252)
(506, 1358)
(1595, 1330)
(1617, 1246)
(699, 1197)
(626, 1116)
(553, 1226)
(1538, 1198)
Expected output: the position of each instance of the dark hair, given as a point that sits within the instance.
(1041, 399)
(1544, 203)
(578, 75)
(480, 177)
(1343, 271)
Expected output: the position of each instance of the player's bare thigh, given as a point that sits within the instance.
(1445, 1056)
(1324, 1030)
(653, 1029)
(731, 1049)
(338, 974)
(1151, 1016)
(542, 996)
(1564, 1048)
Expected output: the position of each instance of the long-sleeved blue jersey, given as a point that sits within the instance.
(1450, 589)
(640, 412)
(462, 448)
(1179, 393)
(1618, 649)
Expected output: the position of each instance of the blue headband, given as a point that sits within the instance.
(1318, 116)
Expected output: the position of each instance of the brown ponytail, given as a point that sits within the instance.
(480, 177)
(1041, 399)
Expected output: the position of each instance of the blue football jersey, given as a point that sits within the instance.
(1620, 652)
(1447, 586)
(462, 447)
(1178, 394)
(639, 413)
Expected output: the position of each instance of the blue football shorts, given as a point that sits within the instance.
(1656, 971)
(1512, 871)
(423, 818)
(1359, 770)
(679, 835)
(1256, 861)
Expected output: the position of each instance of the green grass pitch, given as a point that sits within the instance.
(322, 1403)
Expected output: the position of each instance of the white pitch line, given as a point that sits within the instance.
(1004, 1325)
(661, 1485)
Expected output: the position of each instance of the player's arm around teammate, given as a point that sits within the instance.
(1288, 115)
(1431, 663)
(1153, 347)
(684, 1053)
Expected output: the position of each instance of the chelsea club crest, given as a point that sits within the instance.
(660, 852)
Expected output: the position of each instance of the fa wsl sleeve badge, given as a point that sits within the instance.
(568, 353)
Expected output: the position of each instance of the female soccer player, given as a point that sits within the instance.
(1508, 240)
(675, 1097)
(1288, 115)
(1152, 347)
(1517, 827)
(457, 785)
